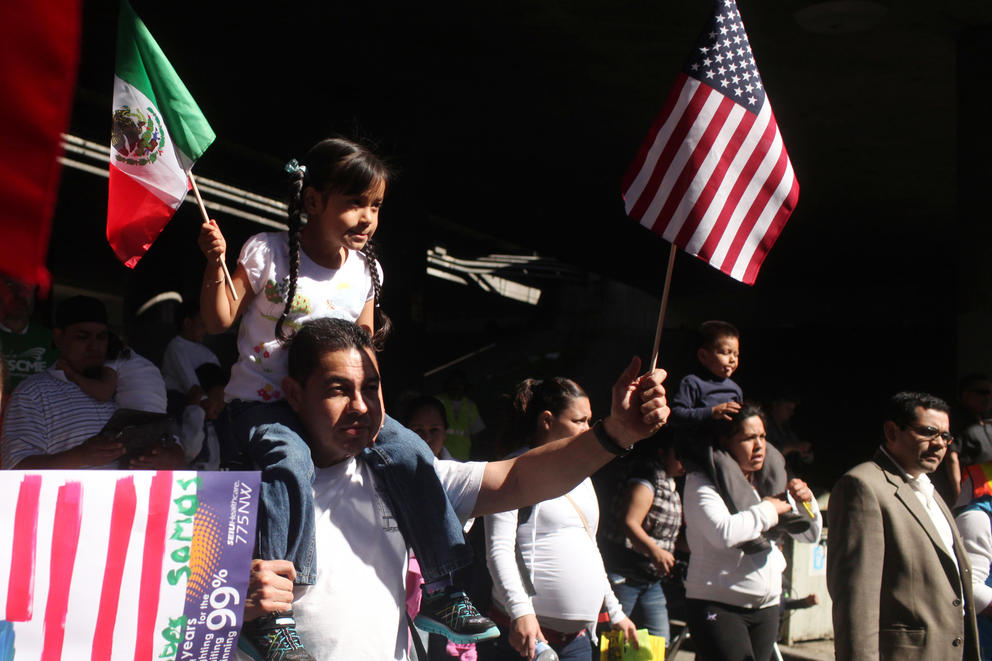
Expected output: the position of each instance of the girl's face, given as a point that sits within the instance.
(573, 420)
(344, 221)
(747, 446)
(430, 426)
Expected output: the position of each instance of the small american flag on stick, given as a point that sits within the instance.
(713, 176)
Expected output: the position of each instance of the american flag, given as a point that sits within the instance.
(713, 176)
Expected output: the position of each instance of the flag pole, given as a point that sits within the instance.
(206, 219)
(664, 306)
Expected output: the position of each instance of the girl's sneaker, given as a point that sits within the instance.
(450, 613)
(273, 637)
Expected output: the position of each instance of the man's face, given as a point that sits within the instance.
(978, 398)
(340, 404)
(918, 447)
(83, 345)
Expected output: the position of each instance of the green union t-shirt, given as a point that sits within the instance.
(27, 353)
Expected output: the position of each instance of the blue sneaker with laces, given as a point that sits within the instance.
(450, 613)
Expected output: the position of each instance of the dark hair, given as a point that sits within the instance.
(901, 407)
(321, 336)
(334, 165)
(426, 402)
(727, 428)
(210, 375)
(710, 332)
(969, 381)
(188, 309)
(116, 348)
(534, 396)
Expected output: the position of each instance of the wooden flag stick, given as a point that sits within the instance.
(206, 219)
(664, 306)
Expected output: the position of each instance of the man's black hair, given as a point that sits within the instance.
(318, 337)
(901, 407)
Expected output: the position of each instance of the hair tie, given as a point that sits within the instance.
(294, 169)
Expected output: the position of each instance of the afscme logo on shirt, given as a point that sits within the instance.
(27, 362)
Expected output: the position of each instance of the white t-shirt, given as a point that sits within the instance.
(320, 292)
(180, 360)
(355, 609)
(139, 384)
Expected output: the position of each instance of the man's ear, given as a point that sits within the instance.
(890, 429)
(700, 352)
(57, 335)
(293, 392)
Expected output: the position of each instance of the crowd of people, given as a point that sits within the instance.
(367, 527)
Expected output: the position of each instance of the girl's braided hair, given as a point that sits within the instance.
(334, 165)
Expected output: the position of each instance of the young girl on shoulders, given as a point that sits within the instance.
(324, 267)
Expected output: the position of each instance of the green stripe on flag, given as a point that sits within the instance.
(141, 63)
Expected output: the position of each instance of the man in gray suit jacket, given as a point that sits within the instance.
(897, 572)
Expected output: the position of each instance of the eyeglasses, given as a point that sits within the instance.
(930, 433)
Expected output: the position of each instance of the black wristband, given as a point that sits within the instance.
(608, 442)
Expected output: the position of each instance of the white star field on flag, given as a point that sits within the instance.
(723, 59)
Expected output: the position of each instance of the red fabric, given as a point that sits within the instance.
(39, 55)
(135, 217)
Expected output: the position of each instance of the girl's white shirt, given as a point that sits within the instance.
(320, 292)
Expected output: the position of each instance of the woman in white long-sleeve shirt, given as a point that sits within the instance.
(975, 525)
(550, 547)
(733, 596)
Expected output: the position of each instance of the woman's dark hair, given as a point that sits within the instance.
(534, 396)
(426, 402)
(727, 428)
(334, 165)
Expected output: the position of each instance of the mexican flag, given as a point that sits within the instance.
(158, 132)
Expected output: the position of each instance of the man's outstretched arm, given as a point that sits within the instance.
(639, 409)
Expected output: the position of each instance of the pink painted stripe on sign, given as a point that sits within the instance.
(159, 500)
(65, 542)
(121, 521)
(20, 586)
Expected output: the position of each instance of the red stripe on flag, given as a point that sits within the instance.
(754, 212)
(679, 134)
(121, 521)
(743, 180)
(135, 217)
(689, 172)
(771, 234)
(20, 586)
(65, 542)
(659, 121)
(159, 501)
(716, 180)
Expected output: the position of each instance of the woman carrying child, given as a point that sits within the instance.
(732, 596)
(324, 267)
